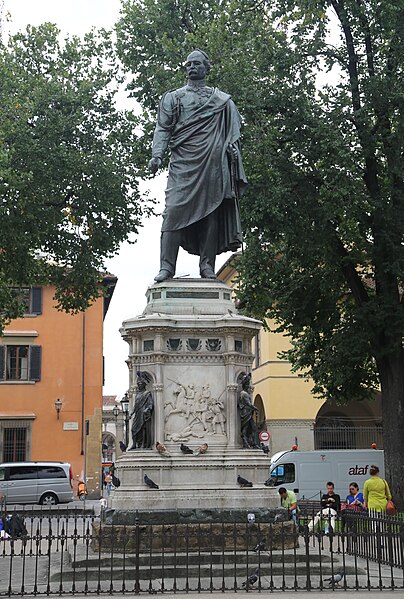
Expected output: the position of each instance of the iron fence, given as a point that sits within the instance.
(377, 537)
(347, 437)
(81, 554)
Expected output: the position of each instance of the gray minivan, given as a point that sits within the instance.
(47, 483)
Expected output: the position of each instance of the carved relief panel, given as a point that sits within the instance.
(193, 409)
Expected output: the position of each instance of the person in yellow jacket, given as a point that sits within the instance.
(376, 491)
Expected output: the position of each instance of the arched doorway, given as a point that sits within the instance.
(353, 426)
(108, 447)
(260, 417)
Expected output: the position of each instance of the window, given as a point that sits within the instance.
(17, 363)
(14, 444)
(22, 472)
(15, 439)
(51, 472)
(23, 295)
(284, 473)
(257, 349)
(20, 362)
(30, 298)
(238, 345)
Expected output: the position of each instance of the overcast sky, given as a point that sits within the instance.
(135, 265)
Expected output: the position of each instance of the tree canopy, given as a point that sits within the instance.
(68, 177)
(320, 89)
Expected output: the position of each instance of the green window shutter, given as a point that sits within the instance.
(36, 300)
(2, 361)
(35, 359)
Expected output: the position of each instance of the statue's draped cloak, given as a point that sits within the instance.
(245, 408)
(143, 406)
(200, 178)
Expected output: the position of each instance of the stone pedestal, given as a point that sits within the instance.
(194, 348)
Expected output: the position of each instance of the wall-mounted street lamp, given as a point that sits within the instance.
(125, 409)
(116, 411)
(58, 406)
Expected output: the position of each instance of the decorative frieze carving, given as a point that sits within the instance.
(193, 411)
(174, 344)
(194, 358)
(193, 344)
(213, 344)
(291, 422)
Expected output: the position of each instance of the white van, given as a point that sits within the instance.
(47, 483)
(307, 472)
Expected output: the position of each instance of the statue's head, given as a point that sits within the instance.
(246, 381)
(197, 65)
(142, 379)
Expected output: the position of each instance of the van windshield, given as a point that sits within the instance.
(283, 473)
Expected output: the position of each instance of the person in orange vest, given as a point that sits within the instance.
(81, 490)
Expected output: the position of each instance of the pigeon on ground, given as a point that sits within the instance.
(162, 449)
(186, 450)
(122, 446)
(252, 579)
(202, 449)
(150, 483)
(243, 482)
(336, 579)
(260, 546)
(264, 448)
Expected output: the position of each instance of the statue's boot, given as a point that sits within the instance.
(163, 275)
(169, 246)
(208, 229)
(208, 273)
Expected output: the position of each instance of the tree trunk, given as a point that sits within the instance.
(391, 372)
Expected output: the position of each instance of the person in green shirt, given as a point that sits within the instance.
(289, 502)
(376, 491)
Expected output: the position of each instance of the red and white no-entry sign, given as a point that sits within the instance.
(264, 436)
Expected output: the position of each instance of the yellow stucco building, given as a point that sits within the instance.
(287, 408)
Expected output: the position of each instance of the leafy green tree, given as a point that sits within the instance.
(319, 85)
(68, 180)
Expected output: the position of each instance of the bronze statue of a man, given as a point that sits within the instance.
(142, 415)
(201, 127)
(249, 431)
